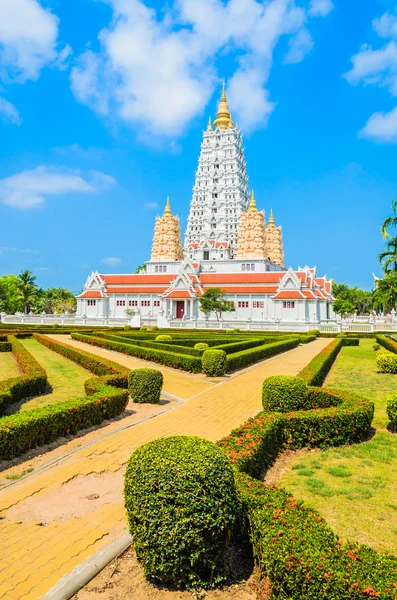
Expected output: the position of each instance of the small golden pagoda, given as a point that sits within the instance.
(167, 245)
(252, 233)
(274, 241)
(223, 118)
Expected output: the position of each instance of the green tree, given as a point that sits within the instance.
(388, 258)
(141, 269)
(27, 289)
(385, 295)
(10, 300)
(390, 221)
(343, 307)
(213, 300)
(350, 299)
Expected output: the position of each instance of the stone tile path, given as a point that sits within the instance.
(42, 538)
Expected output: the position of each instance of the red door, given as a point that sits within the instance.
(180, 309)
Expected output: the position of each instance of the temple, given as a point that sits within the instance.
(227, 245)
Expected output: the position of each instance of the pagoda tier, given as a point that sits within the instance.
(220, 192)
(252, 234)
(167, 245)
(274, 242)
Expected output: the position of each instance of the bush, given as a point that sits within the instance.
(181, 505)
(201, 346)
(284, 393)
(317, 370)
(386, 362)
(163, 338)
(244, 358)
(236, 330)
(376, 347)
(391, 410)
(127, 327)
(145, 385)
(306, 339)
(155, 328)
(143, 329)
(55, 325)
(387, 343)
(5, 346)
(214, 363)
(315, 332)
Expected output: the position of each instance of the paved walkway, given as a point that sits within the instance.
(41, 540)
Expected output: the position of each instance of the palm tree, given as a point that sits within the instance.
(27, 288)
(390, 221)
(385, 295)
(388, 258)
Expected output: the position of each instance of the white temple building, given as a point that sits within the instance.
(227, 245)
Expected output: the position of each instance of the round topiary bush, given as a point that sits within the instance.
(163, 338)
(145, 385)
(391, 409)
(315, 332)
(376, 347)
(284, 393)
(201, 346)
(155, 328)
(214, 363)
(236, 330)
(181, 505)
(143, 328)
(386, 362)
(127, 327)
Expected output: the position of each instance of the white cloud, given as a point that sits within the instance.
(29, 189)
(386, 25)
(160, 72)
(111, 260)
(378, 67)
(320, 8)
(9, 113)
(28, 35)
(381, 126)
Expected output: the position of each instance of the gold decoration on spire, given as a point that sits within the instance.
(223, 118)
(271, 218)
(252, 205)
(274, 241)
(167, 210)
(209, 128)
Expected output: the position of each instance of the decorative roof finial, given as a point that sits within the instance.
(209, 128)
(223, 118)
(252, 205)
(167, 210)
(271, 218)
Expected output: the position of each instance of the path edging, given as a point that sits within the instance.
(71, 583)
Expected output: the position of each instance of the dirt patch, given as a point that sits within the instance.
(275, 473)
(124, 579)
(76, 498)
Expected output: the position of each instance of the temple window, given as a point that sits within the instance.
(145, 302)
(132, 302)
(243, 304)
(120, 302)
(156, 303)
(288, 304)
(160, 269)
(91, 302)
(156, 269)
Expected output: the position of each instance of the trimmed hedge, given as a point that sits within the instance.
(163, 338)
(5, 346)
(181, 506)
(145, 385)
(238, 360)
(23, 431)
(171, 359)
(303, 558)
(214, 363)
(168, 347)
(387, 343)
(244, 345)
(32, 383)
(391, 410)
(284, 393)
(317, 370)
(201, 346)
(386, 362)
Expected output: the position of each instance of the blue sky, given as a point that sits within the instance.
(102, 106)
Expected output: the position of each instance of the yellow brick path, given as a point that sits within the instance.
(33, 556)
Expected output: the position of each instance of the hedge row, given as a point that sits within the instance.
(31, 383)
(232, 348)
(238, 360)
(171, 359)
(317, 370)
(387, 343)
(105, 400)
(302, 556)
(169, 347)
(294, 546)
(5, 346)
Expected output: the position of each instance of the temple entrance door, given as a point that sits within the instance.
(180, 309)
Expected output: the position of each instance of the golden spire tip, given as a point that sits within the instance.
(252, 205)
(271, 218)
(167, 210)
(209, 128)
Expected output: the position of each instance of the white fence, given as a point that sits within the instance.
(138, 320)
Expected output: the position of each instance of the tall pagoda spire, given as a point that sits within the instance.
(252, 205)
(167, 210)
(251, 234)
(274, 241)
(209, 126)
(223, 118)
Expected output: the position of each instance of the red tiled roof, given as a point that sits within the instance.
(178, 294)
(219, 278)
(309, 294)
(246, 289)
(92, 294)
(320, 281)
(289, 295)
(138, 279)
(136, 290)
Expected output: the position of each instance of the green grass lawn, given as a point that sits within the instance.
(64, 376)
(355, 487)
(8, 366)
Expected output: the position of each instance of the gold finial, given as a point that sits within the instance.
(252, 205)
(167, 210)
(271, 218)
(209, 128)
(223, 118)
